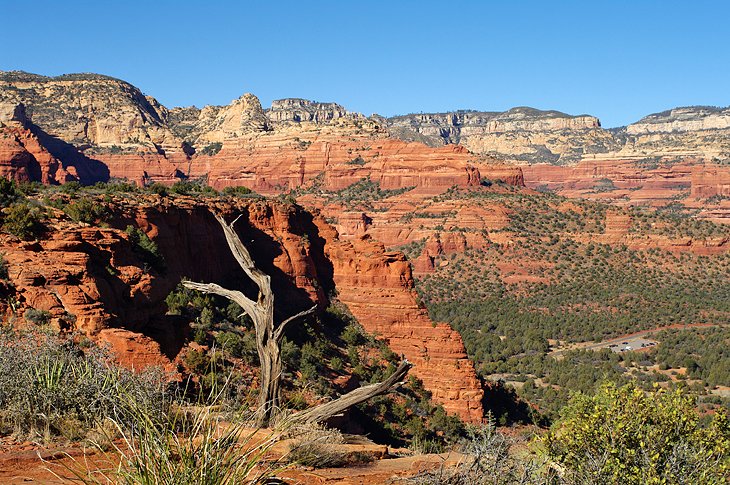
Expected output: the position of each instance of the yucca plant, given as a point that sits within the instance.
(188, 445)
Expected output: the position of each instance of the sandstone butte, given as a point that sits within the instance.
(93, 274)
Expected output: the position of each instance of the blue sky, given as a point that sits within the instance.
(618, 60)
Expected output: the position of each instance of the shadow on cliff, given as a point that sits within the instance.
(194, 248)
(89, 170)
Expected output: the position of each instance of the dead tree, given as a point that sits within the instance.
(269, 337)
(261, 311)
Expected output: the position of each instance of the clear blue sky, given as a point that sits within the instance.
(618, 60)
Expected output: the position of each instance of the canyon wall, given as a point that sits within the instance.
(92, 280)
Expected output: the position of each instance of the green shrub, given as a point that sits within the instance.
(86, 210)
(9, 192)
(51, 386)
(116, 185)
(146, 248)
(38, 317)
(357, 161)
(242, 346)
(629, 436)
(158, 188)
(188, 187)
(197, 361)
(237, 191)
(71, 188)
(23, 220)
(211, 149)
(3, 267)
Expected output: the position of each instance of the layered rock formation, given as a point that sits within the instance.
(90, 109)
(22, 156)
(107, 128)
(693, 118)
(534, 136)
(524, 134)
(302, 110)
(377, 286)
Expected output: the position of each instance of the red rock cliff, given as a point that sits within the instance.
(377, 286)
(93, 274)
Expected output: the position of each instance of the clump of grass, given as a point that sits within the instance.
(50, 386)
(316, 446)
(190, 445)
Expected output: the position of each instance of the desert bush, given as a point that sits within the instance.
(238, 191)
(211, 149)
(189, 445)
(158, 188)
(117, 185)
(23, 220)
(71, 188)
(488, 460)
(3, 267)
(188, 187)
(49, 386)
(86, 210)
(239, 345)
(146, 248)
(316, 446)
(629, 436)
(9, 192)
(38, 317)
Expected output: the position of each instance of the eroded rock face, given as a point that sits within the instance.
(90, 109)
(243, 116)
(302, 110)
(280, 162)
(518, 134)
(92, 279)
(377, 286)
(23, 158)
(694, 118)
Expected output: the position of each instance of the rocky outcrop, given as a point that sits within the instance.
(377, 286)
(243, 116)
(301, 110)
(12, 114)
(90, 109)
(693, 118)
(286, 160)
(708, 181)
(518, 134)
(23, 158)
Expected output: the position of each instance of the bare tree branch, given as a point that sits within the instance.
(262, 280)
(279, 332)
(248, 305)
(362, 394)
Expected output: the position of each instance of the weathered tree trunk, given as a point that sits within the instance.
(269, 337)
(261, 311)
